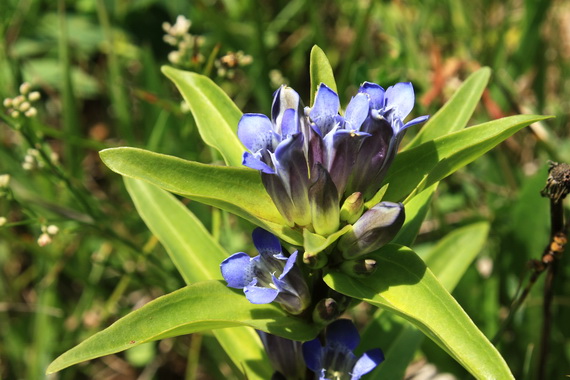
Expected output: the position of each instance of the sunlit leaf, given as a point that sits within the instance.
(416, 169)
(455, 114)
(237, 190)
(215, 113)
(321, 71)
(404, 285)
(202, 306)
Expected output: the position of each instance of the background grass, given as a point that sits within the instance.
(96, 64)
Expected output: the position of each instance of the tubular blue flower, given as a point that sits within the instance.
(336, 360)
(341, 135)
(279, 149)
(268, 277)
(385, 124)
(286, 356)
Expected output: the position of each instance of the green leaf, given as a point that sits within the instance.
(197, 257)
(321, 71)
(416, 211)
(191, 309)
(455, 114)
(448, 261)
(416, 169)
(237, 190)
(453, 254)
(215, 113)
(314, 243)
(404, 285)
(192, 249)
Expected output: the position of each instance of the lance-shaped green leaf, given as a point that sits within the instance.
(215, 113)
(455, 114)
(202, 306)
(416, 211)
(416, 169)
(448, 261)
(237, 190)
(197, 256)
(321, 71)
(404, 285)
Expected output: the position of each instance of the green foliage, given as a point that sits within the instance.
(182, 312)
(98, 68)
(215, 114)
(321, 71)
(197, 257)
(404, 285)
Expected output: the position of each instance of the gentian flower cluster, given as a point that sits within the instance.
(319, 167)
(336, 360)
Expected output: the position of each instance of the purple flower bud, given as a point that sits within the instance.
(375, 228)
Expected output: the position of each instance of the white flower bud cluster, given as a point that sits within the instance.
(47, 233)
(227, 64)
(22, 104)
(32, 160)
(187, 45)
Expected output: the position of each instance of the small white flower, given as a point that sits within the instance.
(18, 100)
(3, 220)
(52, 229)
(7, 102)
(34, 96)
(24, 88)
(31, 112)
(24, 106)
(44, 240)
(4, 180)
(14, 114)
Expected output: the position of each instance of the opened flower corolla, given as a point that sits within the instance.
(336, 360)
(268, 277)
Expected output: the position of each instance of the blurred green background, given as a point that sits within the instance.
(97, 64)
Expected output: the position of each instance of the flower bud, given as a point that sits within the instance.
(4, 180)
(324, 203)
(375, 228)
(359, 268)
(352, 208)
(315, 260)
(3, 220)
(326, 311)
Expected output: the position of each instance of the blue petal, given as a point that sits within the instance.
(417, 120)
(367, 363)
(255, 131)
(400, 97)
(357, 110)
(289, 264)
(266, 242)
(258, 295)
(251, 161)
(343, 332)
(235, 270)
(289, 123)
(312, 352)
(325, 109)
(376, 94)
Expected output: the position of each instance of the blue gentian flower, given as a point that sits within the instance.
(279, 149)
(336, 360)
(268, 277)
(341, 135)
(385, 124)
(285, 355)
